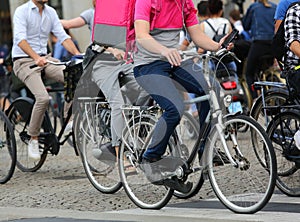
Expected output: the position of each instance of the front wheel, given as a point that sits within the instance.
(243, 184)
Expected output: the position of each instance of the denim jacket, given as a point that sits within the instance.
(259, 20)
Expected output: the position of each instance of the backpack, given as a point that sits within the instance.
(114, 23)
(278, 43)
(217, 37)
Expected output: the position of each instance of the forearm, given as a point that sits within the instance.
(28, 50)
(295, 48)
(150, 44)
(202, 40)
(70, 46)
(73, 23)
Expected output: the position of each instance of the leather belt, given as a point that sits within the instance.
(24, 57)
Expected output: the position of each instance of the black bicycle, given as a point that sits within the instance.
(230, 157)
(19, 114)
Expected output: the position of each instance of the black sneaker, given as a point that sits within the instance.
(106, 153)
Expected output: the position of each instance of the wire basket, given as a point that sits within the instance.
(72, 75)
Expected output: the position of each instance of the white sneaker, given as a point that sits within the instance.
(69, 127)
(33, 150)
(297, 139)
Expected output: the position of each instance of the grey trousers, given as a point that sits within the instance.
(32, 79)
(105, 75)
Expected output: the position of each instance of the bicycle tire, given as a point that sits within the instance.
(53, 115)
(7, 149)
(139, 189)
(19, 116)
(90, 134)
(188, 131)
(251, 183)
(272, 98)
(288, 173)
(61, 120)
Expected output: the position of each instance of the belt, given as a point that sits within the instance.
(24, 57)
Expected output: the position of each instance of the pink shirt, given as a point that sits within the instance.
(168, 12)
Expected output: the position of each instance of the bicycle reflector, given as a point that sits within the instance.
(229, 85)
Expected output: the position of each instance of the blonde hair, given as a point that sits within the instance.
(265, 3)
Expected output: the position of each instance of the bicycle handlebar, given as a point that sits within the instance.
(73, 58)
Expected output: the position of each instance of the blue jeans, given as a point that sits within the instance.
(164, 84)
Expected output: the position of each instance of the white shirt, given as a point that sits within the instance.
(218, 24)
(29, 25)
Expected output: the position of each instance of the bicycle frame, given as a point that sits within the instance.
(137, 112)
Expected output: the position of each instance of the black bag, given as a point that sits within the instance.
(278, 42)
(217, 37)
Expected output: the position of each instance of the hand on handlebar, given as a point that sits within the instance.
(41, 61)
(172, 55)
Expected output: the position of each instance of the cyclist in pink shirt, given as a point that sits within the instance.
(159, 71)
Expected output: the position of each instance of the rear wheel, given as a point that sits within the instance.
(19, 116)
(139, 189)
(271, 98)
(281, 131)
(92, 130)
(188, 132)
(7, 149)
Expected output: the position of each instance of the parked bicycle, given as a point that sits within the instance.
(231, 159)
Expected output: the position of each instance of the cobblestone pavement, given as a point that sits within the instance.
(61, 183)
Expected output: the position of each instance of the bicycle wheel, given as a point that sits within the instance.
(139, 189)
(62, 121)
(53, 114)
(244, 185)
(188, 132)
(7, 149)
(281, 131)
(92, 129)
(19, 115)
(272, 98)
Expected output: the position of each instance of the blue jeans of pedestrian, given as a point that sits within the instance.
(164, 83)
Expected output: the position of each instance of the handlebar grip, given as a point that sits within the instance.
(33, 66)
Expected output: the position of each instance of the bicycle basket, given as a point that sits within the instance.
(72, 76)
